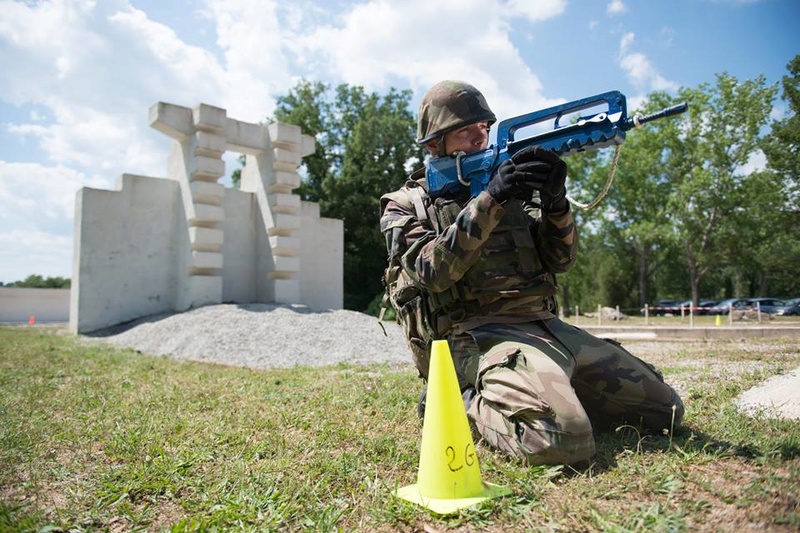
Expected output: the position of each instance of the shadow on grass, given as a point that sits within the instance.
(686, 442)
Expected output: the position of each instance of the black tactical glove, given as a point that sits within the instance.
(508, 182)
(542, 170)
(504, 182)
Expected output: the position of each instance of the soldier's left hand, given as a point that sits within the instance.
(544, 171)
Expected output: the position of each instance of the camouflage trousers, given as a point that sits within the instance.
(543, 387)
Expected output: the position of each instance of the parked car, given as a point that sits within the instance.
(703, 306)
(724, 307)
(792, 308)
(791, 302)
(766, 305)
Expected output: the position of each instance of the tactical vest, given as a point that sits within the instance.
(507, 284)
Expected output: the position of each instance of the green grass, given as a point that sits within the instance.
(96, 438)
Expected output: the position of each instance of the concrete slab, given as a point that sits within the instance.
(699, 332)
(778, 397)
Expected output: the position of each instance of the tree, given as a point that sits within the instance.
(782, 145)
(690, 195)
(365, 148)
(35, 281)
(628, 229)
(682, 203)
(713, 201)
(777, 250)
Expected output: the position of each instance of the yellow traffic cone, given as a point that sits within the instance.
(718, 321)
(449, 477)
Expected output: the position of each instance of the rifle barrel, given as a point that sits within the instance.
(638, 120)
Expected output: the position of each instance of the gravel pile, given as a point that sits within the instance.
(277, 336)
(263, 336)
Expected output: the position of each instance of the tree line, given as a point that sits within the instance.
(35, 281)
(685, 215)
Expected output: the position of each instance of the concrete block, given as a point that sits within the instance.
(206, 260)
(284, 203)
(204, 290)
(321, 255)
(206, 192)
(210, 118)
(286, 136)
(286, 291)
(284, 246)
(308, 146)
(204, 214)
(209, 144)
(206, 239)
(125, 261)
(285, 221)
(246, 137)
(172, 120)
(285, 263)
(205, 168)
(286, 157)
(158, 245)
(285, 181)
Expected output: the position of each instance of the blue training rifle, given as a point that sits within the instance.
(448, 174)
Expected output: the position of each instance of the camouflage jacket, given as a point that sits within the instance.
(477, 261)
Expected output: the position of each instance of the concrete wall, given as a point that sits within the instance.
(170, 244)
(18, 304)
(125, 262)
(129, 245)
(322, 259)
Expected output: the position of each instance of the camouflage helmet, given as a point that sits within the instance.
(449, 105)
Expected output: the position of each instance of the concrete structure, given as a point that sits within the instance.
(155, 245)
(18, 304)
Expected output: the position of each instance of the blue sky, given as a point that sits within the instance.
(77, 77)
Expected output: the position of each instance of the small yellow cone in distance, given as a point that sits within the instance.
(449, 476)
(719, 320)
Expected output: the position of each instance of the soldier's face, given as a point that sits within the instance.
(467, 139)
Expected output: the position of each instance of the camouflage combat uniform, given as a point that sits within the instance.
(483, 275)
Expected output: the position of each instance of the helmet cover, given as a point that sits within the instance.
(449, 105)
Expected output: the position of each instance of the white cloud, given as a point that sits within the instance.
(755, 163)
(37, 205)
(421, 43)
(616, 7)
(536, 11)
(24, 252)
(33, 193)
(639, 70)
(253, 42)
(94, 69)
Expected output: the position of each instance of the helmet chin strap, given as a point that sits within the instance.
(440, 146)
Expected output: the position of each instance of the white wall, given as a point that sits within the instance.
(321, 259)
(18, 304)
(130, 246)
(170, 244)
(124, 264)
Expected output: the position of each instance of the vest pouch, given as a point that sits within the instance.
(411, 317)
